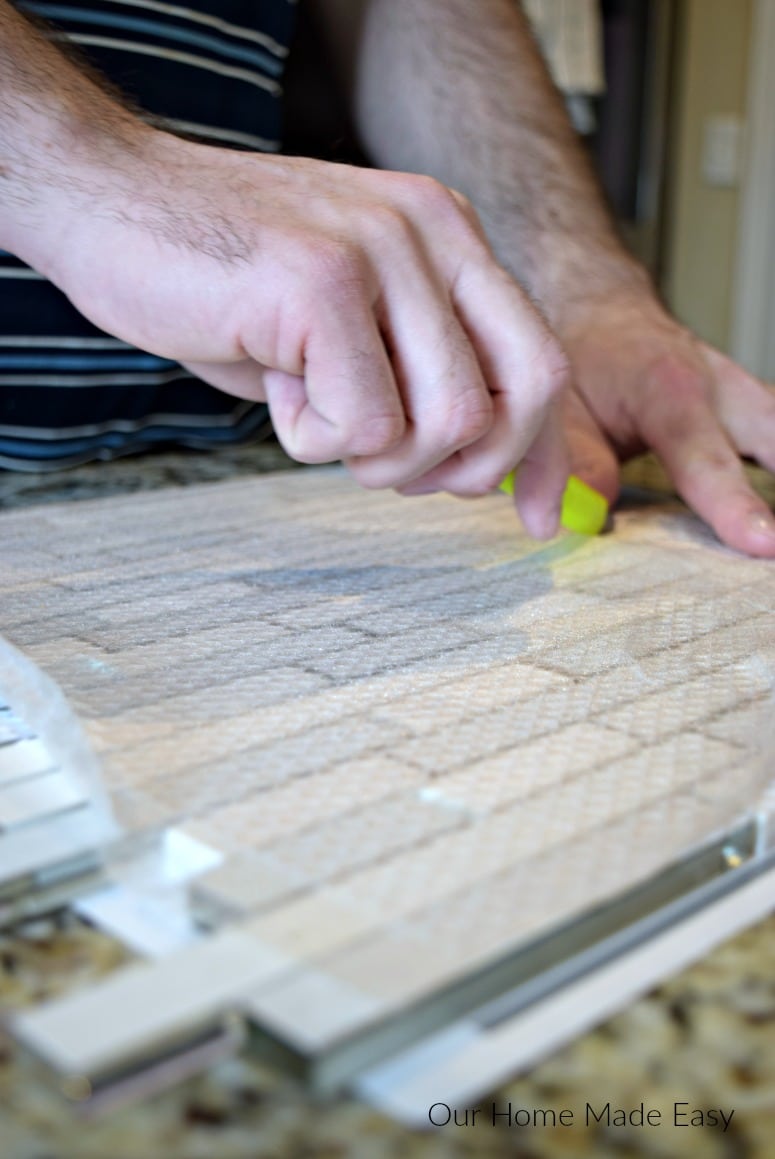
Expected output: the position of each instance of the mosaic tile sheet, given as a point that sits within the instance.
(419, 736)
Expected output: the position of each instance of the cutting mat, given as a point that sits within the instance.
(420, 738)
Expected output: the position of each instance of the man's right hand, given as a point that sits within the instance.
(365, 307)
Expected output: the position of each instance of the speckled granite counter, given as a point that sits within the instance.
(705, 1040)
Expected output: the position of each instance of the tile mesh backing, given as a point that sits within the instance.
(419, 736)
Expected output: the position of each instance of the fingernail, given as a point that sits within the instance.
(762, 524)
(584, 510)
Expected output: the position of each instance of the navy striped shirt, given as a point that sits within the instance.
(211, 70)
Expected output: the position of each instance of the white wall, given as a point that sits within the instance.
(753, 321)
(702, 238)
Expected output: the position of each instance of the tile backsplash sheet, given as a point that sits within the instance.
(418, 735)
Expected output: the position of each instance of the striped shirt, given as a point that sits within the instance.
(69, 392)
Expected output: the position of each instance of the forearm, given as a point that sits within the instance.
(61, 134)
(465, 97)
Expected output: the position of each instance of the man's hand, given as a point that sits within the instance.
(642, 381)
(466, 97)
(367, 308)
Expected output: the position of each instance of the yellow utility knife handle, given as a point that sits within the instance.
(584, 510)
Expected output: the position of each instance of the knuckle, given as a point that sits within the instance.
(714, 460)
(364, 473)
(486, 481)
(302, 450)
(308, 456)
(678, 377)
(476, 489)
(376, 435)
(551, 370)
(337, 267)
(466, 208)
(429, 202)
(386, 223)
(558, 375)
(430, 195)
(706, 461)
(468, 417)
(477, 486)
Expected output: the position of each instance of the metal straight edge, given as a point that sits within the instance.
(529, 968)
(474, 1055)
(123, 1037)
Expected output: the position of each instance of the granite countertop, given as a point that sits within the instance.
(705, 1038)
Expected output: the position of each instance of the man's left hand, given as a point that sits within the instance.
(643, 382)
